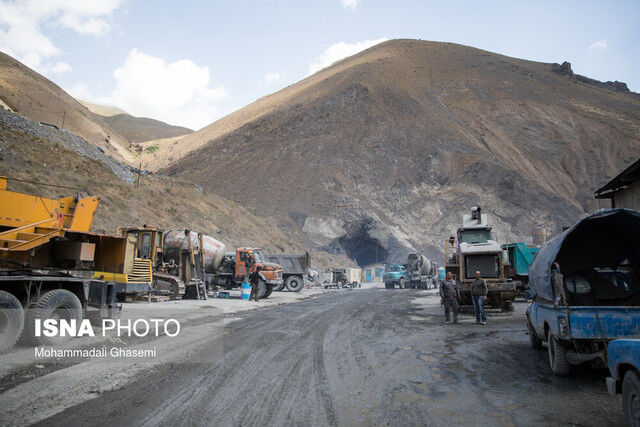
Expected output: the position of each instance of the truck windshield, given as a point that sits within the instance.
(474, 236)
(488, 265)
(257, 256)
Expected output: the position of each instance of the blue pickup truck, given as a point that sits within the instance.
(586, 287)
(623, 357)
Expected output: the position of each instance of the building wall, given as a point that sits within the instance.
(629, 197)
(373, 273)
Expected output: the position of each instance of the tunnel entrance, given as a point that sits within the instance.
(361, 246)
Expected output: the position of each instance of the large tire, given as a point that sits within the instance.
(631, 398)
(11, 321)
(56, 304)
(401, 284)
(262, 289)
(557, 357)
(278, 287)
(268, 292)
(294, 283)
(534, 340)
(388, 285)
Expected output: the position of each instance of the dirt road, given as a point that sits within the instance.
(371, 357)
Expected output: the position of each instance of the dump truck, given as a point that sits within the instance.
(421, 272)
(294, 268)
(48, 258)
(520, 258)
(586, 287)
(232, 271)
(473, 249)
(395, 275)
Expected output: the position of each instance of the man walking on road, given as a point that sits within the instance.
(479, 293)
(450, 295)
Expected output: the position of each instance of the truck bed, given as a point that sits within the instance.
(606, 323)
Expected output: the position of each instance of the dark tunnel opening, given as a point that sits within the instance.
(363, 248)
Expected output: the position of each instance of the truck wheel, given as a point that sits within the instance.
(557, 357)
(534, 339)
(268, 292)
(401, 285)
(388, 285)
(11, 321)
(278, 287)
(631, 398)
(56, 304)
(262, 289)
(294, 283)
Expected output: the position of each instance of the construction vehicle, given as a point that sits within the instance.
(48, 258)
(520, 258)
(395, 274)
(187, 264)
(233, 270)
(294, 268)
(421, 272)
(337, 278)
(473, 249)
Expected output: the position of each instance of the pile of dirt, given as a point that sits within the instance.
(15, 121)
(394, 144)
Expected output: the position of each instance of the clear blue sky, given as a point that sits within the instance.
(236, 51)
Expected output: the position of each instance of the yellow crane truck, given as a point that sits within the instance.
(52, 266)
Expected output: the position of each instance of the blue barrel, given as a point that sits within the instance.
(441, 272)
(246, 291)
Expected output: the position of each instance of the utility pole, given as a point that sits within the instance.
(377, 251)
(139, 170)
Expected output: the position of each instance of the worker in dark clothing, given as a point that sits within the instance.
(479, 291)
(450, 296)
(255, 285)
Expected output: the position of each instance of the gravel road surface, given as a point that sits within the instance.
(370, 357)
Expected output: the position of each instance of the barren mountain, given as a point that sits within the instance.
(386, 150)
(140, 129)
(30, 94)
(102, 109)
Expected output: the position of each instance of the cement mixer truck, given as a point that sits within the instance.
(421, 272)
(189, 264)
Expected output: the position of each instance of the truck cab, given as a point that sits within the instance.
(233, 270)
(473, 249)
(394, 274)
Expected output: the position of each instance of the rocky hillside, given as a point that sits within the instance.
(386, 150)
(37, 98)
(32, 161)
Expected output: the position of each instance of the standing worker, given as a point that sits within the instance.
(255, 285)
(450, 295)
(479, 291)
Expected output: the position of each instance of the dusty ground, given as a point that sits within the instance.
(348, 357)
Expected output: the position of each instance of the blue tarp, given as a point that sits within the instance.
(604, 232)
